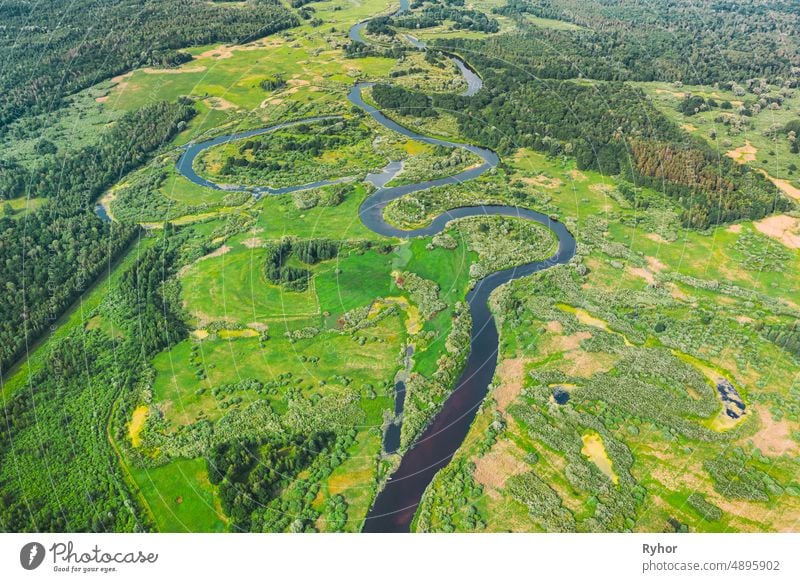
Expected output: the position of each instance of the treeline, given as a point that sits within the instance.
(309, 251)
(435, 14)
(251, 473)
(698, 43)
(710, 188)
(52, 255)
(66, 46)
(610, 127)
(403, 101)
(58, 468)
(786, 335)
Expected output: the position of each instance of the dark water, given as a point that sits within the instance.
(731, 400)
(391, 438)
(101, 212)
(395, 505)
(389, 171)
(560, 395)
(474, 82)
(355, 31)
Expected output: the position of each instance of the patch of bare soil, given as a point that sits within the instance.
(643, 273)
(217, 53)
(544, 182)
(775, 436)
(220, 104)
(784, 186)
(502, 462)
(655, 237)
(253, 243)
(601, 188)
(581, 364)
(743, 154)
(577, 176)
(512, 375)
(570, 342)
(554, 326)
(781, 227)
(655, 265)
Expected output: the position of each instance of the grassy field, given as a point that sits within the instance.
(181, 497)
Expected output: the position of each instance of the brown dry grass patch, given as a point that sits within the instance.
(781, 227)
(775, 436)
(512, 375)
(502, 462)
(743, 154)
(580, 364)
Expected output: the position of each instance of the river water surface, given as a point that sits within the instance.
(395, 505)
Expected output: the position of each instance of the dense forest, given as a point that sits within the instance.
(609, 127)
(696, 42)
(52, 255)
(63, 422)
(53, 49)
(533, 97)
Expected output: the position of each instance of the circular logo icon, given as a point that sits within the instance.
(31, 555)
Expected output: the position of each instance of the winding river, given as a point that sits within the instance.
(395, 505)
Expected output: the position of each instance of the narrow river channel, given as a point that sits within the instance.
(395, 505)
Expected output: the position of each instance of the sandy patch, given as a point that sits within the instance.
(678, 94)
(120, 81)
(258, 326)
(775, 436)
(220, 104)
(580, 364)
(655, 265)
(512, 375)
(543, 182)
(689, 127)
(200, 333)
(655, 237)
(101, 99)
(502, 462)
(601, 188)
(216, 253)
(577, 176)
(643, 273)
(253, 243)
(271, 101)
(554, 326)
(566, 343)
(781, 227)
(120, 78)
(744, 154)
(677, 293)
(734, 228)
(217, 53)
(784, 186)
